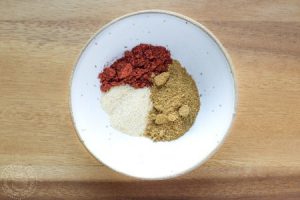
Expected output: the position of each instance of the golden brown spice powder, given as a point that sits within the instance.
(176, 103)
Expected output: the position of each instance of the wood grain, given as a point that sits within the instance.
(39, 43)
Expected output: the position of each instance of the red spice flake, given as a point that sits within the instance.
(125, 71)
(136, 67)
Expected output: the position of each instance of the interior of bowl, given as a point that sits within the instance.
(198, 52)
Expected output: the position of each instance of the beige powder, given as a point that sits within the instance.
(128, 108)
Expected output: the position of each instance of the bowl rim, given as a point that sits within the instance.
(194, 22)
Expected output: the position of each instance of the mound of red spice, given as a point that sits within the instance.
(136, 67)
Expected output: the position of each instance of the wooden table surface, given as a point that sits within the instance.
(41, 156)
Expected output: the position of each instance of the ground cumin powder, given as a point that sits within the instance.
(176, 103)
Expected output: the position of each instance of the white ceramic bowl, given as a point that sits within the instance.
(204, 58)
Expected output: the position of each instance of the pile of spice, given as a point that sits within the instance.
(146, 93)
(128, 108)
(136, 67)
(176, 104)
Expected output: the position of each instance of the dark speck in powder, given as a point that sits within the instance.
(164, 21)
(213, 87)
(186, 22)
(200, 95)
(125, 47)
(109, 33)
(133, 24)
(96, 43)
(220, 105)
(95, 66)
(207, 52)
(95, 85)
(201, 74)
(81, 95)
(148, 31)
(212, 110)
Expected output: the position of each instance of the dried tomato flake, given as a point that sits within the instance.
(136, 67)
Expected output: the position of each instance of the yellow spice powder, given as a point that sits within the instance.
(176, 103)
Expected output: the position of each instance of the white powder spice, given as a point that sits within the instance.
(128, 108)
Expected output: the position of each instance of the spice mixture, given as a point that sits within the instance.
(175, 104)
(146, 93)
(136, 67)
